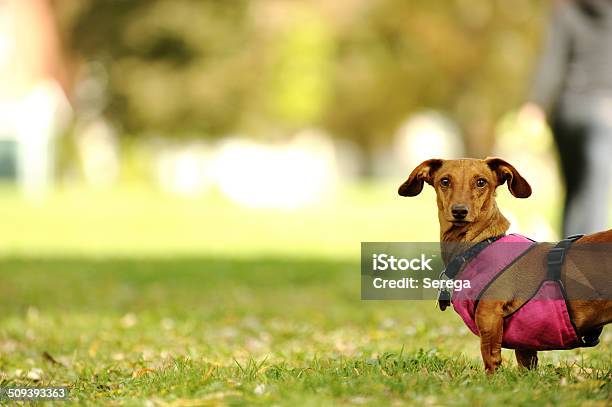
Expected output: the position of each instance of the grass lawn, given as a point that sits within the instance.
(137, 299)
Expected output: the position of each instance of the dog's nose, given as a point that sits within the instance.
(459, 211)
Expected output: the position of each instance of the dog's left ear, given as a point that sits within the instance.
(517, 185)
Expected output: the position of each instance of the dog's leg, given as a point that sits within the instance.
(527, 358)
(490, 323)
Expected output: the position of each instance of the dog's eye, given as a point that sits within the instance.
(481, 182)
(445, 182)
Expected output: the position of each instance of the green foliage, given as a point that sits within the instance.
(469, 59)
(355, 68)
(174, 66)
(300, 77)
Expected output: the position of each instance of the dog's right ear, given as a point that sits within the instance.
(424, 172)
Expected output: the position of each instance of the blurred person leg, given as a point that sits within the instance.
(585, 150)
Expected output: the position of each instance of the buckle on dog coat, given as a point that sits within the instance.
(453, 267)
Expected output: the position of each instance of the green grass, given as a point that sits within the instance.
(142, 299)
(139, 222)
(266, 331)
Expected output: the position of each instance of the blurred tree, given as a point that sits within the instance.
(467, 58)
(299, 80)
(357, 68)
(174, 66)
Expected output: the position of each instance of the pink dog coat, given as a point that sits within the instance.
(542, 323)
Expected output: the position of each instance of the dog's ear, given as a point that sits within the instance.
(517, 185)
(424, 172)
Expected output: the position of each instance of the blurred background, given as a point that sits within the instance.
(241, 128)
(185, 184)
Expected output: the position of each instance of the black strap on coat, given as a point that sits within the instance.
(454, 266)
(555, 259)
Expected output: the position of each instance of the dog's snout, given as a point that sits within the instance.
(459, 211)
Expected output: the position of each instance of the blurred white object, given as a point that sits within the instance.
(423, 136)
(524, 140)
(98, 148)
(39, 117)
(287, 175)
(33, 122)
(33, 105)
(533, 116)
(349, 159)
(185, 170)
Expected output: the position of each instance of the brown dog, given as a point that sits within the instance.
(468, 213)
